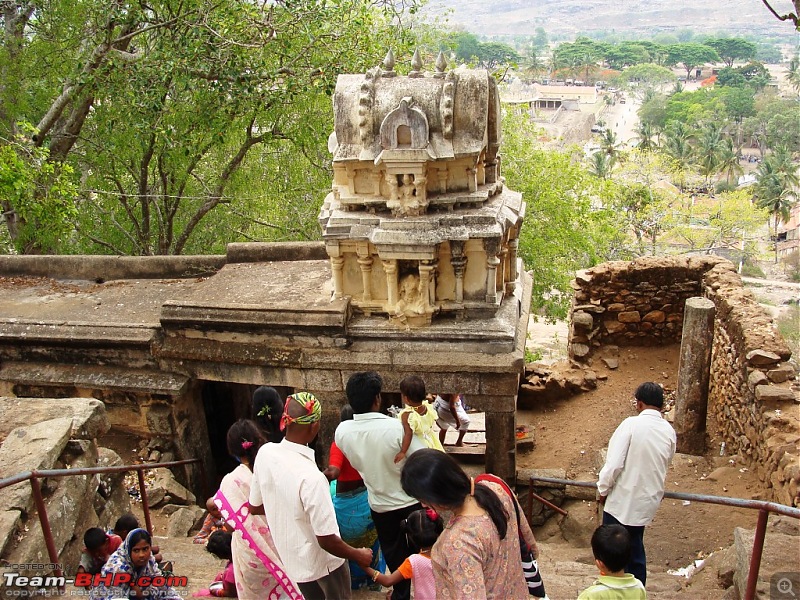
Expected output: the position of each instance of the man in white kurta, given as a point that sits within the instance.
(631, 483)
(292, 492)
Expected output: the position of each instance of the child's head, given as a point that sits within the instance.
(95, 540)
(611, 546)
(346, 414)
(413, 389)
(212, 508)
(125, 524)
(219, 544)
(424, 527)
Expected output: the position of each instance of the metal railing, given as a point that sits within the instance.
(763, 508)
(38, 499)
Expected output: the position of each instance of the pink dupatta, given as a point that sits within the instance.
(232, 500)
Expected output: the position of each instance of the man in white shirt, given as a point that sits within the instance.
(292, 492)
(631, 483)
(370, 442)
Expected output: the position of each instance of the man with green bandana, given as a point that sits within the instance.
(292, 492)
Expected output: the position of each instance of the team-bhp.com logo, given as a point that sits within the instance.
(86, 580)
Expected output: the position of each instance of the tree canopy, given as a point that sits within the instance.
(171, 110)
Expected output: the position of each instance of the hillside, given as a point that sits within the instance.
(574, 17)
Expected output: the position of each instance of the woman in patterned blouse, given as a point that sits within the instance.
(478, 554)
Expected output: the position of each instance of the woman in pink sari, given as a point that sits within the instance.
(257, 568)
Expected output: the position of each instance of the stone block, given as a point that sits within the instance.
(781, 373)
(613, 327)
(629, 316)
(761, 358)
(756, 378)
(654, 316)
(582, 321)
(772, 393)
(37, 446)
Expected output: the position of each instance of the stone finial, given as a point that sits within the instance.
(388, 65)
(441, 65)
(416, 65)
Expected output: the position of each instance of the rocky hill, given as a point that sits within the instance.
(574, 17)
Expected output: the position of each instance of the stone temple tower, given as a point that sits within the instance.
(418, 225)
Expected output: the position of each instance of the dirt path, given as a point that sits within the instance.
(570, 434)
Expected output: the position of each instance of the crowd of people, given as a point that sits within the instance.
(392, 508)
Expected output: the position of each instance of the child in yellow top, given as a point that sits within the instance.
(611, 546)
(417, 417)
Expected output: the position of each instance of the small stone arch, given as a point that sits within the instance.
(405, 127)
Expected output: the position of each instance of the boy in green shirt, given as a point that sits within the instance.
(611, 546)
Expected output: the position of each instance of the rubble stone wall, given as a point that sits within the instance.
(752, 405)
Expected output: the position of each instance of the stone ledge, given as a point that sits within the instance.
(90, 376)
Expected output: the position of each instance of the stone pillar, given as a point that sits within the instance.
(691, 404)
(459, 262)
(491, 270)
(425, 274)
(390, 268)
(365, 262)
(441, 176)
(513, 244)
(337, 266)
(501, 444)
(376, 183)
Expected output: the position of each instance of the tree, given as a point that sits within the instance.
(601, 164)
(568, 225)
(732, 49)
(645, 132)
(709, 145)
(728, 157)
(677, 146)
(690, 55)
(648, 74)
(170, 112)
(793, 74)
(774, 190)
(731, 220)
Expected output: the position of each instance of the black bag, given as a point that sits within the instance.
(530, 568)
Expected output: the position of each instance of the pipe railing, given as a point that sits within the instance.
(38, 499)
(762, 506)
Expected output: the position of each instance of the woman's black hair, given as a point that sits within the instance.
(435, 478)
(244, 439)
(219, 544)
(267, 412)
(422, 529)
(137, 536)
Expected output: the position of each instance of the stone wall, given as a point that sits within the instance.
(752, 406)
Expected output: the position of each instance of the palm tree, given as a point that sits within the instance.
(793, 75)
(729, 160)
(709, 146)
(677, 146)
(601, 165)
(775, 189)
(532, 63)
(609, 144)
(644, 137)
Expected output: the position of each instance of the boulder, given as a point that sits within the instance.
(165, 480)
(27, 448)
(89, 420)
(182, 520)
(780, 556)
